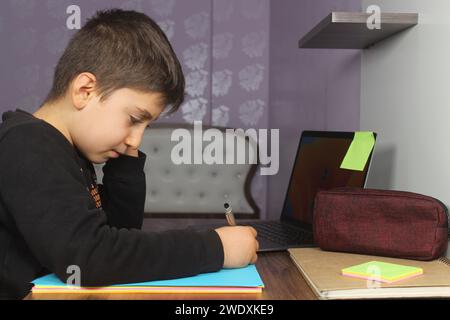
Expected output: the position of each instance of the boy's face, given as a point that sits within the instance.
(105, 129)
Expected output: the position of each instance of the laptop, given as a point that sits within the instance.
(316, 167)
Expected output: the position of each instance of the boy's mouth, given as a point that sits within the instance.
(114, 154)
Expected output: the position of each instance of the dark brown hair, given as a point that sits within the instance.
(123, 49)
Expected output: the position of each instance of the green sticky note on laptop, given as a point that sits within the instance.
(359, 151)
(382, 271)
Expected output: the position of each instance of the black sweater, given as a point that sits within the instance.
(51, 216)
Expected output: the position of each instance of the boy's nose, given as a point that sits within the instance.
(134, 143)
(134, 139)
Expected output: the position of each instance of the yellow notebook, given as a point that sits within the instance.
(323, 272)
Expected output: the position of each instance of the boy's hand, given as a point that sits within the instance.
(239, 246)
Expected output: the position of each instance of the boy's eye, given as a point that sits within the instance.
(134, 120)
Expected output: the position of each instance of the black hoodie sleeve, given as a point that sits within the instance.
(123, 191)
(42, 187)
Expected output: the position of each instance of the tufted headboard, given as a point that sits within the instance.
(194, 190)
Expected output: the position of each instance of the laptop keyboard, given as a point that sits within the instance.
(282, 233)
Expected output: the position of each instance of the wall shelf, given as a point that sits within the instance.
(348, 30)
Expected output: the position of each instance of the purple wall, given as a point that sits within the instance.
(240, 65)
(315, 89)
(35, 34)
(225, 47)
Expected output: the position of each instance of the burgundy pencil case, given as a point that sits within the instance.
(381, 222)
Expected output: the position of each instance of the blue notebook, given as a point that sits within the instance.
(226, 280)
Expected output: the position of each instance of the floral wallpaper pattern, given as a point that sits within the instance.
(223, 46)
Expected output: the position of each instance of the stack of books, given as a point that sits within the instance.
(243, 280)
(327, 273)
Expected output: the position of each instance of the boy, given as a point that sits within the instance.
(117, 75)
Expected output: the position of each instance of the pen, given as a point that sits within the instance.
(229, 214)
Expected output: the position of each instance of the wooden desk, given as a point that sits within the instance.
(281, 277)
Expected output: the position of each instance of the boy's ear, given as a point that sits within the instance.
(83, 89)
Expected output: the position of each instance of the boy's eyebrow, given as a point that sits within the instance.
(146, 115)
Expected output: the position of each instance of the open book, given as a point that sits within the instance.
(322, 271)
(243, 280)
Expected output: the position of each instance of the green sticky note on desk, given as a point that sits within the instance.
(382, 271)
(359, 151)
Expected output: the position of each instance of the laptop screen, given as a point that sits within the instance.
(317, 167)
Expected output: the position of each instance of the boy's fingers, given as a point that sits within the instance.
(257, 245)
(253, 231)
(254, 259)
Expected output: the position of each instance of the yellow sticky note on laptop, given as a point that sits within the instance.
(359, 151)
(382, 271)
